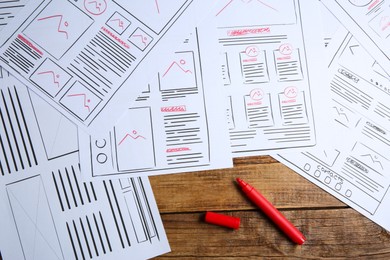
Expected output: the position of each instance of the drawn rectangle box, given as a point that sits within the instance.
(381, 24)
(58, 27)
(50, 77)
(259, 112)
(288, 65)
(33, 218)
(293, 108)
(179, 72)
(139, 211)
(133, 136)
(254, 66)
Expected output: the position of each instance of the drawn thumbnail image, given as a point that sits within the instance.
(178, 72)
(55, 30)
(134, 145)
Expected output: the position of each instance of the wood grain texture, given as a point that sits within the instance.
(216, 190)
(333, 230)
(337, 233)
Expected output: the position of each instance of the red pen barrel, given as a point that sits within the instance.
(278, 218)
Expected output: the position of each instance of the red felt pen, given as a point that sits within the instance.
(289, 229)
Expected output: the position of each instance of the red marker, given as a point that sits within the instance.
(289, 229)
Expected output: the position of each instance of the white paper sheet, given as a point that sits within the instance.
(177, 124)
(78, 54)
(369, 22)
(271, 58)
(47, 210)
(354, 163)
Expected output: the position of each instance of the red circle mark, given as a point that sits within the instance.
(286, 49)
(95, 7)
(182, 62)
(252, 51)
(291, 92)
(256, 94)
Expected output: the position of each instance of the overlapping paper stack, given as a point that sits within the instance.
(98, 95)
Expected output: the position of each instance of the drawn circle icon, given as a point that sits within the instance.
(101, 158)
(100, 143)
(252, 51)
(256, 94)
(95, 7)
(360, 3)
(246, 1)
(291, 92)
(286, 49)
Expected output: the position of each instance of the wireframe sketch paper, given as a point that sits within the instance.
(269, 65)
(369, 23)
(47, 210)
(8, 10)
(78, 54)
(176, 124)
(353, 165)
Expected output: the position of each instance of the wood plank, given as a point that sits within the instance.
(216, 190)
(332, 233)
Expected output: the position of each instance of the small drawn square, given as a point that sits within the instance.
(118, 23)
(50, 77)
(80, 100)
(140, 39)
(381, 24)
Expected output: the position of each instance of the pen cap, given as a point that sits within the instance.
(222, 220)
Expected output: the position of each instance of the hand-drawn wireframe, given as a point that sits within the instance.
(53, 213)
(254, 66)
(266, 69)
(95, 7)
(140, 39)
(353, 165)
(180, 72)
(156, 14)
(34, 220)
(20, 147)
(56, 135)
(9, 9)
(118, 23)
(97, 44)
(134, 147)
(368, 21)
(293, 108)
(288, 64)
(58, 27)
(173, 125)
(50, 77)
(65, 217)
(80, 100)
(225, 70)
(27, 140)
(271, 11)
(229, 113)
(258, 109)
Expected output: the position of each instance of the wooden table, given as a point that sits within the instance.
(333, 230)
